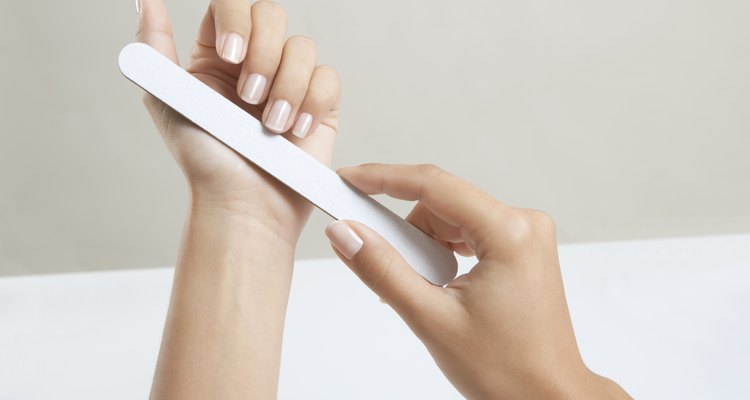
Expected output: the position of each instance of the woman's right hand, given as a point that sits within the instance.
(500, 331)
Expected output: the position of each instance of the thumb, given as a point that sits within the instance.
(383, 270)
(154, 28)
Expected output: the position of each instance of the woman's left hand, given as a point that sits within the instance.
(241, 52)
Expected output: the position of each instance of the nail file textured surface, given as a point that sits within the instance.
(286, 162)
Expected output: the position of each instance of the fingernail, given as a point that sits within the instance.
(255, 84)
(278, 115)
(138, 7)
(343, 238)
(303, 125)
(233, 46)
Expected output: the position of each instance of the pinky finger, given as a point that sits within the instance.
(321, 98)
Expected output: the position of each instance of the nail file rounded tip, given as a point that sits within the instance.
(273, 153)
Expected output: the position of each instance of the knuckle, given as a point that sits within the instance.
(541, 220)
(159, 30)
(429, 174)
(527, 226)
(372, 167)
(270, 8)
(320, 95)
(265, 54)
(377, 269)
(326, 79)
(430, 170)
(303, 42)
(519, 228)
(290, 83)
(327, 72)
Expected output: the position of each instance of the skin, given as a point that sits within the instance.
(222, 336)
(501, 331)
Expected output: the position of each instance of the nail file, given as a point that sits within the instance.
(279, 157)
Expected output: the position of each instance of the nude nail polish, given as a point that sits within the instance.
(303, 125)
(344, 239)
(138, 7)
(278, 115)
(233, 47)
(253, 89)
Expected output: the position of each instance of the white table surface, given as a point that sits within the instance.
(668, 319)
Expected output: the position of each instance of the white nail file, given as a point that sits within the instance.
(279, 157)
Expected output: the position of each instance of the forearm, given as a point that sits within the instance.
(222, 337)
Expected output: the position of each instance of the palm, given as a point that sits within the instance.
(210, 163)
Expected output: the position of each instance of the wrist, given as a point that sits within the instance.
(237, 221)
(229, 297)
(243, 216)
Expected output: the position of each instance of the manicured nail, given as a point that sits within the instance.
(255, 84)
(303, 125)
(138, 7)
(278, 115)
(343, 238)
(233, 46)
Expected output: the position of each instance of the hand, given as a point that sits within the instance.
(241, 53)
(223, 331)
(501, 331)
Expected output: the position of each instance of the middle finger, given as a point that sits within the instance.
(264, 51)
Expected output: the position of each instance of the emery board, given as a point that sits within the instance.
(282, 159)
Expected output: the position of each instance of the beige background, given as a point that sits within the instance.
(621, 119)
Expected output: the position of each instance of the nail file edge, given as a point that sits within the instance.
(292, 166)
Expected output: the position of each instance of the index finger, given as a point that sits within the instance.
(451, 198)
